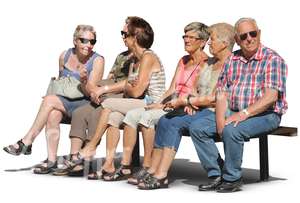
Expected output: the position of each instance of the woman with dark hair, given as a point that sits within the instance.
(145, 83)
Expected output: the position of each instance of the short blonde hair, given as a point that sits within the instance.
(200, 28)
(224, 32)
(83, 28)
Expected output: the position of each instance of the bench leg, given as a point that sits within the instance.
(136, 153)
(263, 158)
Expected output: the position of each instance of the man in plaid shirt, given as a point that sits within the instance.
(251, 97)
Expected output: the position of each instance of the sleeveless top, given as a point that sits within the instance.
(157, 82)
(68, 72)
(185, 78)
(208, 79)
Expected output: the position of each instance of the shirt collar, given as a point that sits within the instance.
(238, 55)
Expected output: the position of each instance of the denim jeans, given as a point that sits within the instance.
(169, 131)
(203, 131)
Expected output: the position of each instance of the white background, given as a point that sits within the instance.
(34, 33)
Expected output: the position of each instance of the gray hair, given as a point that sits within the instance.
(225, 33)
(83, 28)
(200, 28)
(241, 20)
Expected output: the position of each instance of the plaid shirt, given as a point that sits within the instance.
(245, 80)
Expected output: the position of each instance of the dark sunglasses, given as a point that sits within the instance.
(252, 34)
(124, 34)
(85, 41)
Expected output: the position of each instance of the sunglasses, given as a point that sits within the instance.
(124, 34)
(85, 41)
(252, 34)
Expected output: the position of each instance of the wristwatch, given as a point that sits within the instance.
(245, 111)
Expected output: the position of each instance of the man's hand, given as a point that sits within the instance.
(236, 118)
(220, 125)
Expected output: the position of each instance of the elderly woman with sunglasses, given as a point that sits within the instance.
(195, 37)
(85, 118)
(169, 130)
(80, 62)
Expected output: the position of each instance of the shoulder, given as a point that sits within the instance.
(271, 55)
(185, 59)
(62, 55)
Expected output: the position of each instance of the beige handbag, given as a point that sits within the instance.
(65, 86)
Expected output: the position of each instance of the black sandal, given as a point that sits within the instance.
(138, 176)
(42, 169)
(22, 149)
(118, 174)
(98, 175)
(68, 165)
(152, 183)
(80, 161)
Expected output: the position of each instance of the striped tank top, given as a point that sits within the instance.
(157, 83)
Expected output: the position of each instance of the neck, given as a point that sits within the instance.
(139, 51)
(198, 56)
(81, 58)
(223, 55)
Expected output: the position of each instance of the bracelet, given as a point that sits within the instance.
(106, 88)
(246, 112)
(188, 100)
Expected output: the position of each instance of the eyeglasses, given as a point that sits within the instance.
(193, 38)
(85, 41)
(124, 34)
(252, 34)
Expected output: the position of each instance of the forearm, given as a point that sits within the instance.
(204, 101)
(115, 88)
(134, 91)
(221, 106)
(265, 102)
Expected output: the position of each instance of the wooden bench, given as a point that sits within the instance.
(263, 149)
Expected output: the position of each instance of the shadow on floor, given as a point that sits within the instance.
(182, 170)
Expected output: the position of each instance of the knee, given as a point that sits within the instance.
(54, 119)
(198, 131)
(50, 100)
(230, 133)
(131, 116)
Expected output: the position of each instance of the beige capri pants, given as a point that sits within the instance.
(120, 107)
(140, 116)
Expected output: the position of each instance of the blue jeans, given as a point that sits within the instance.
(169, 131)
(203, 132)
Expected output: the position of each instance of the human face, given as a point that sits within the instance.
(124, 33)
(83, 43)
(250, 43)
(191, 42)
(215, 45)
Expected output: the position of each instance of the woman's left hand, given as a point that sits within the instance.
(189, 110)
(83, 73)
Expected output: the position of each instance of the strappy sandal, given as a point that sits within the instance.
(153, 183)
(22, 149)
(42, 169)
(138, 176)
(79, 162)
(98, 175)
(118, 174)
(68, 165)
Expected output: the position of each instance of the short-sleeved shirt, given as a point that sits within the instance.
(245, 80)
(121, 66)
